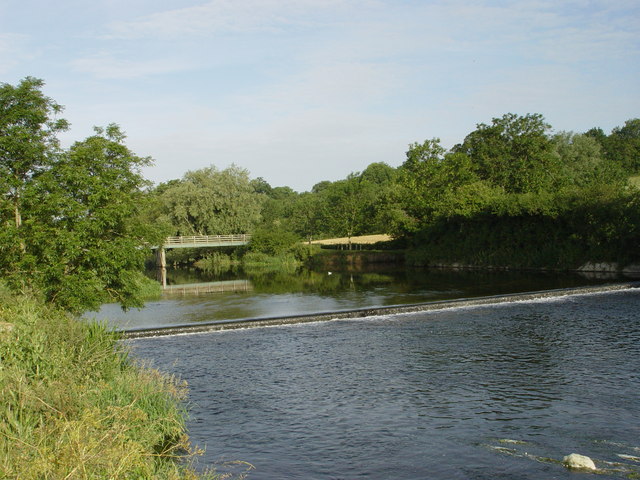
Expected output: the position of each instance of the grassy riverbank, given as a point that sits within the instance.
(75, 406)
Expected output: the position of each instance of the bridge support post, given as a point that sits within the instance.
(161, 262)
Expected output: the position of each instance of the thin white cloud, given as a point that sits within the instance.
(107, 66)
(230, 16)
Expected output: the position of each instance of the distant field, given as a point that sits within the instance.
(365, 239)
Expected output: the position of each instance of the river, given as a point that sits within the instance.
(485, 392)
(273, 294)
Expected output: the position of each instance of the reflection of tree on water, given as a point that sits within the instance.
(404, 285)
(182, 275)
(308, 281)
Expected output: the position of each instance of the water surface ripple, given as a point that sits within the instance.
(490, 392)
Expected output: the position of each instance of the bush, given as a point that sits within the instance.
(304, 252)
(272, 242)
(255, 261)
(149, 289)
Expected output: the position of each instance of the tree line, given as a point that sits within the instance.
(492, 199)
(513, 192)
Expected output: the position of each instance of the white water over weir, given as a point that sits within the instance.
(218, 325)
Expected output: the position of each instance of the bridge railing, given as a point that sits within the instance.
(206, 239)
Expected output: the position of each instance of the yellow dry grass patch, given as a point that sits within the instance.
(363, 240)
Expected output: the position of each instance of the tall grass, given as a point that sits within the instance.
(75, 407)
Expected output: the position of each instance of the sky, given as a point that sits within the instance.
(301, 91)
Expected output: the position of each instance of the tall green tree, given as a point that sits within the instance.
(380, 210)
(622, 146)
(514, 152)
(346, 205)
(436, 183)
(28, 146)
(582, 161)
(83, 227)
(69, 229)
(379, 173)
(417, 184)
(278, 208)
(212, 202)
(309, 215)
(260, 185)
(28, 141)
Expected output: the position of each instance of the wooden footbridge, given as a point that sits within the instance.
(194, 241)
(198, 241)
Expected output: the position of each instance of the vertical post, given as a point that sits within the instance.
(161, 262)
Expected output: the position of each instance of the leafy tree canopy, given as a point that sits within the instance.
(622, 146)
(68, 216)
(379, 174)
(346, 205)
(514, 152)
(260, 185)
(212, 202)
(28, 142)
(582, 161)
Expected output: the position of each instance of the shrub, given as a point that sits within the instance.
(272, 242)
(253, 262)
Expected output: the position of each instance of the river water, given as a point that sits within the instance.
(490, 392)
(273, 294)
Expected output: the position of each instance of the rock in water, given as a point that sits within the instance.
(578, 462)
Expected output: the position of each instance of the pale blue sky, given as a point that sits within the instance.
(299, 91)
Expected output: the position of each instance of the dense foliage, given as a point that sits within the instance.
(513, 194)
(208, 202)
(69, 217)
(496, 199)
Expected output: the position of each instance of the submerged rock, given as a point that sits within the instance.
(578, 462)
(508, 440)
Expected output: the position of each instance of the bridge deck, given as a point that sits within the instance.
(197, 241)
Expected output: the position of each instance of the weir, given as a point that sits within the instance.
(218, 325)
